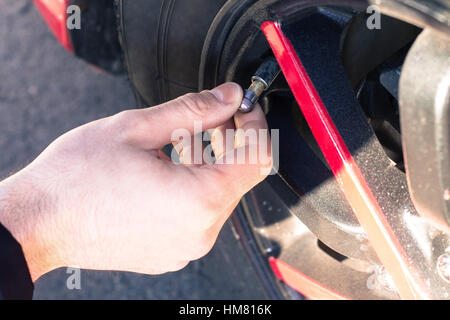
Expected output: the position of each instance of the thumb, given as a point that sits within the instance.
(210, 108)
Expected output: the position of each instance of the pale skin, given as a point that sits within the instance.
(104, 197)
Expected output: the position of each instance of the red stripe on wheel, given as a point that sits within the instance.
(350, 179)
(307, 286)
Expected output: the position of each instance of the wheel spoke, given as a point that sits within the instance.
(388, 246)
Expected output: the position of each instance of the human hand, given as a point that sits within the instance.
(103, 196)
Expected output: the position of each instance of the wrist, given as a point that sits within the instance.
(25, 210)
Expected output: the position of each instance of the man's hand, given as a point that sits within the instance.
(103, 196)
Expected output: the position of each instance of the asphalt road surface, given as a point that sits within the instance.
(44, 92)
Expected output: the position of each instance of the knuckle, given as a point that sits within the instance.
(177, 266)
(201, 248)
(206, 217)
(211, 205)
(196, 105)
(124, 117)
(128, 124)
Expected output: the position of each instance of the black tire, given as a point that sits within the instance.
(162, 42)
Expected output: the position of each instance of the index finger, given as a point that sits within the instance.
(255, 119)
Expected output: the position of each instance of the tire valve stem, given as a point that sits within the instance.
(261, 81)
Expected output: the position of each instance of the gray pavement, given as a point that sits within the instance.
(44, 92)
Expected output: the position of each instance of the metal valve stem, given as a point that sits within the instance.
(261, 81)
